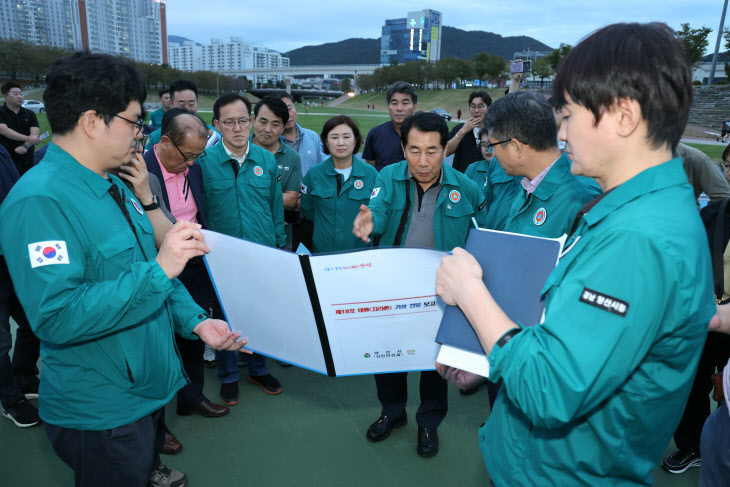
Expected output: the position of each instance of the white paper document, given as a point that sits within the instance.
(360, 312)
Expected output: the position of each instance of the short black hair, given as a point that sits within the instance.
(726, 153)
(340, 120)
(644, 62)
(9, 86)
(280, 95)
(83, 81)
(275, 105)
(227, 99)
(175, 129)
(425, 122)
(482, 132)
(481, 94)
(403, 88)
(164, 91)
(524, 116)
(182, 85)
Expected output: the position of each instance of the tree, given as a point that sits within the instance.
(541, 68)
(488, 66)
(346, 85)
(695, 41)
(446, 71)
(555, 57)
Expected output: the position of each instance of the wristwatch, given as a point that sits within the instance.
(153, 206)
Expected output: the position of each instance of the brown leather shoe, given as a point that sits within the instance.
(206, 409)
(172, 445)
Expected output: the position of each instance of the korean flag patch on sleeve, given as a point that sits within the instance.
(48, 253)
(374, 193)
(304, 189)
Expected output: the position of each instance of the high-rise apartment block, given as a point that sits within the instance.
(225, 56)
(416, 37)
(130, 28)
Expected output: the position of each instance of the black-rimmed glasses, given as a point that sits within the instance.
(186, 158)
(489, 146)
(139, 123)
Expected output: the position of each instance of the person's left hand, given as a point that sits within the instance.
(217, 334)
(21, 150)
(460, 378)
(458, 271)
(136, 173)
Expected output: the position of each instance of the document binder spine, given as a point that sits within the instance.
(318, 317)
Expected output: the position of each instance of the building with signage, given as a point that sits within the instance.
(416, 37)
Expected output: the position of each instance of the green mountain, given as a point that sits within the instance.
(455, 42)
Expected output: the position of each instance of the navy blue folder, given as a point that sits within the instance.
(515, 270)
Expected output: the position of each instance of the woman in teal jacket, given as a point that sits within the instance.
(333, 190)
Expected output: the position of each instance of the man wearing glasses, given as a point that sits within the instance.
(172, 161)
(463, 139)
(103, 301)
(242, 198)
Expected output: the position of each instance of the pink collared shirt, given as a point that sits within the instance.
(531, 186)
(182, 203)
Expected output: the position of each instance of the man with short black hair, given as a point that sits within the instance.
(183, 94)
(18, 127)
(242, 198)
(464, 138)
(306, 142)
(271, 115)
(419, 202)
(383, 143)
(103, 301)
(156, 116)
(592, 394)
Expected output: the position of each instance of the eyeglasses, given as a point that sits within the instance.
(186, 158)
(489, 146)
(143, 141)
(139, 123)
(485, 145)
(229, 124)
(481, 106)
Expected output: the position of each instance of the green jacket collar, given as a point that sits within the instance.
(553, 178)
(97, 183)
(657, 178)
(358, 170)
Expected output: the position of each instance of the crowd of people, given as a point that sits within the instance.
(103, 269)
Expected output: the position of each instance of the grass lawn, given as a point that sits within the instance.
(714, 151)
(450, 100)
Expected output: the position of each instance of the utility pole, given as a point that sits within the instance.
(717, 46)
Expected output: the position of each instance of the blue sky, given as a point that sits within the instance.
(287, 25)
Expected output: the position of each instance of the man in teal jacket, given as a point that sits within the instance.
(548, 196)
(101, 299)
(592, 395)
(419, 202)
(242, 198)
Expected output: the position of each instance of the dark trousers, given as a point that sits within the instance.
(714, 357)
(302, 233)
(196, 280)
(120, 457)
(393, 396)
(22, 372)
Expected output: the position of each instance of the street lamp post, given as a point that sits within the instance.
(717, 46)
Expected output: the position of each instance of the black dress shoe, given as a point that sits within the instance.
(206, 409)
(428, 442)
(380, 430)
